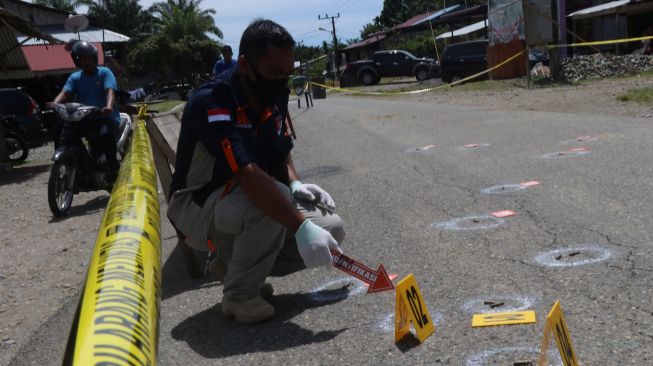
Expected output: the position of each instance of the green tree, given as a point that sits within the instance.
(123, 16)
(370, 28)
(64, 5)
(179, 16)
(180, 47)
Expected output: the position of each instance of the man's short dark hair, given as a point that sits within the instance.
(227, 48)
(261, 33)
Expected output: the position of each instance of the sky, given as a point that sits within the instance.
(300, 17)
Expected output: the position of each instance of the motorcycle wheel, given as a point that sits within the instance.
(17, 148)
(60, 198)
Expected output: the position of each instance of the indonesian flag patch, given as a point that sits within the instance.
(219, 115)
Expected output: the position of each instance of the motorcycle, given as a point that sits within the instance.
(124, 134)
(81, 165)
(16, 140)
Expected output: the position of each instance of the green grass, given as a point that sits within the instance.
(642, 74)
(642, 96)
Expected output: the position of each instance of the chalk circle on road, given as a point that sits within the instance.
(578, 139)
(511, 355)
(420, 149)
(337, 289)
(566, 154)
(503, 188)
(479, 222)
(573, 256)
(498, 304)
(474, 146)
(387, 324)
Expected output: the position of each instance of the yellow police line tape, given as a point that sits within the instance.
(117, 321)
(504, 62)
(599, 43)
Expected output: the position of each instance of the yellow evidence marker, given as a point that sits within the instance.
(555, 322)
(407, 297)
(507, 318)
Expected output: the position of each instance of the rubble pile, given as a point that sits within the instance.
(598, 65)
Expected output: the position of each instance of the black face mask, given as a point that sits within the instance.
(268, 90)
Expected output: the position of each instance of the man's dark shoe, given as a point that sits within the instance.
(251, 311)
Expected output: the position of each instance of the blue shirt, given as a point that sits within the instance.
(91, 89)
(221, 65)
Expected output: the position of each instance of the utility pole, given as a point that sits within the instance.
(299, 56)
(335, 39)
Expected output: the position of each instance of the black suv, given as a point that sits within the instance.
(460, 60)
(15, 101)
(390, 63)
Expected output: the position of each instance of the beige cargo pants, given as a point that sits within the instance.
(254, 246)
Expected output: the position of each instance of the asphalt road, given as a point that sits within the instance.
(582, 236)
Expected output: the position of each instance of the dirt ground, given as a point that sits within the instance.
(593, 97)
(43, 260)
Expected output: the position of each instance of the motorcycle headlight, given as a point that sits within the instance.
(61, 111)
(78, 115)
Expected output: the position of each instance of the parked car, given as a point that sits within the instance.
(390, 63)
(14, 101)
(460, 60)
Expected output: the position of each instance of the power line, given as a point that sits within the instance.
(349, 5)
(334, 6)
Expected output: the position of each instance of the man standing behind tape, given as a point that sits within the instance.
(224, 64)
(235, 184)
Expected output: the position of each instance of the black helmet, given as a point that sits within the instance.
(83, 48)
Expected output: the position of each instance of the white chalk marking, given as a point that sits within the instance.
(548, 258)
(511, 303)
(480, 222)
(565, 154)
(503, 189)
(482, 358)
(356, 288)
(419, 149)
(387, 324)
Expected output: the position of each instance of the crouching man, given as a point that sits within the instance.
(235, 185)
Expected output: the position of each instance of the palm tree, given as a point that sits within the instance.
(185, 17)
(180, 46)
(122, 16)
(64, 5)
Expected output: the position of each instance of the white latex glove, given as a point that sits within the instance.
(312, 193)
(314, 244)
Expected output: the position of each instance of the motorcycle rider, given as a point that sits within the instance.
(93, 85)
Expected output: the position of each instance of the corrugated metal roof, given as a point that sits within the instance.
(599, 8)
(53, 58)
(464, 30)
(13, 64)
(412, 21)
(440, 13)
(366, 42)
(90, 34)
(471, 12)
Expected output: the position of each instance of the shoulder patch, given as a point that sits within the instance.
(218, 115)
